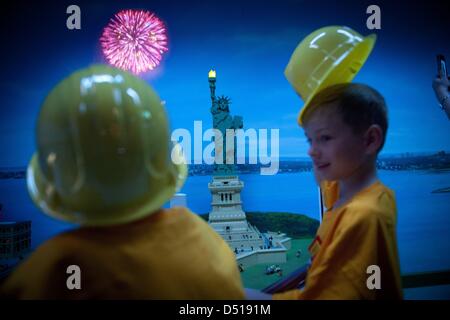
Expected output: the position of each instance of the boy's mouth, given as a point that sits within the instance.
(321, 166)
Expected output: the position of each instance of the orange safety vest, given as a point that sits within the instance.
(171, 254)
(351, 239)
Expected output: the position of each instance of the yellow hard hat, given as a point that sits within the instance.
(328, 56)
(103, 150)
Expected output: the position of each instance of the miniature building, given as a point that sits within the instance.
(178, 200)
(15, 239)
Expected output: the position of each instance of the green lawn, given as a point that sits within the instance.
(255, 277)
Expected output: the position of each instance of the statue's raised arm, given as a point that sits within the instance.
(222, 122)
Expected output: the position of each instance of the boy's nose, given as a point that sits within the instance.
(313, 152)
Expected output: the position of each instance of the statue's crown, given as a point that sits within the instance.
(224, 100)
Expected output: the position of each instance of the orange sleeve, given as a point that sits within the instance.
(330, 192)
(363, 235)
(44, 274)
(340, 269)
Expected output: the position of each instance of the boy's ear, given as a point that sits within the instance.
(373, 139)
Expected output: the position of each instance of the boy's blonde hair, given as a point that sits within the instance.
(359, 105)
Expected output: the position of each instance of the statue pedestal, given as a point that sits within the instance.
(227, 217)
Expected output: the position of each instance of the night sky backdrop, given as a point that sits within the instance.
(248, 43)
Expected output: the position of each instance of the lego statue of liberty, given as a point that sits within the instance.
(223, 122)
(227, 217)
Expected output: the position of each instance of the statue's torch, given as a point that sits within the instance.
(212, 83)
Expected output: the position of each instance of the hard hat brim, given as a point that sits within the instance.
(40, 192)
(342, 72)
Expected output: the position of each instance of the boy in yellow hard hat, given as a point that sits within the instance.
(354, 254)
(104, 161)
(346, 127)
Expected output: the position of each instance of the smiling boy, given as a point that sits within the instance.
(346, 127)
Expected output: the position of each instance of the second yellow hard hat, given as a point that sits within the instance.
(327, 56)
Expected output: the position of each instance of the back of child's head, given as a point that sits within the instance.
(359, 106)
(103, 153)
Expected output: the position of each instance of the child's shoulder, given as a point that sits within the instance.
(65, 245)
(375, 203)
(181, 216)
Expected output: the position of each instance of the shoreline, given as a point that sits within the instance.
(441, 190)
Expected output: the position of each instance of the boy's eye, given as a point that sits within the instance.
(325, 138)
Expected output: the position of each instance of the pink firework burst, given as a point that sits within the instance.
(134, 40)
